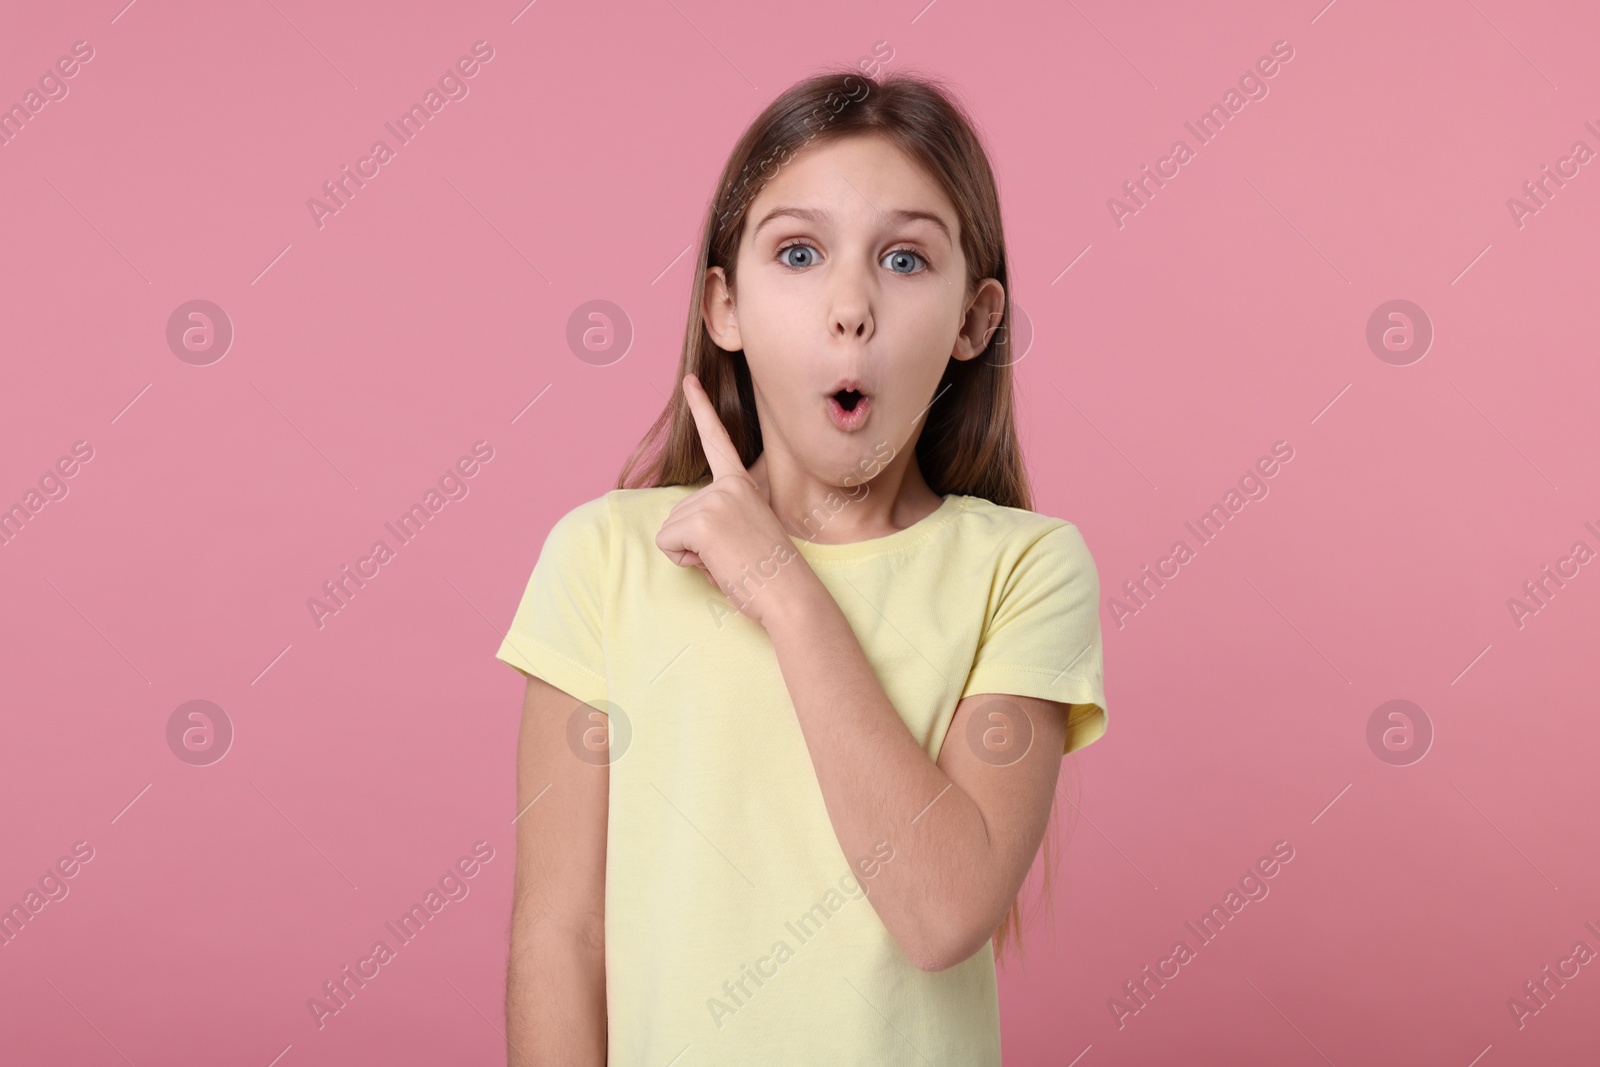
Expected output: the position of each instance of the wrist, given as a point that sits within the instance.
(790, 597)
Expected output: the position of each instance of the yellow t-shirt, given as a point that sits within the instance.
(735, 929)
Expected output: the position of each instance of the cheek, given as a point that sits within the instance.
(923, 330)
(929, 330)
(768, 339)
(779, 330)
(780, 367)
(769, 313)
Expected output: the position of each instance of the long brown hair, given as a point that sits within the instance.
(968, 444)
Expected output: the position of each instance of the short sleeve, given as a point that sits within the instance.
(556, 632)
(1043, 639)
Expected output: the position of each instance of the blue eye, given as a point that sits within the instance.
(900, 261)
(902, 257)
(783, 255)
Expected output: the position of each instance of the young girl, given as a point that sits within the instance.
(799, 687)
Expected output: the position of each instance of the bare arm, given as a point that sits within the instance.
(964, 830)
(555, 978)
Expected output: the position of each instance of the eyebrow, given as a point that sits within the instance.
(812, 215)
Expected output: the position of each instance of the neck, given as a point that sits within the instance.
(893, 498)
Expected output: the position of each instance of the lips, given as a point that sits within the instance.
(849, 408)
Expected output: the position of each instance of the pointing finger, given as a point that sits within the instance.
(719, 449)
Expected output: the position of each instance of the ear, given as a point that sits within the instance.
(983, 318)
(716, 308)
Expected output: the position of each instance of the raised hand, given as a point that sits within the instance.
(727, 528)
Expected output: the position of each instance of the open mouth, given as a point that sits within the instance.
(848, 408)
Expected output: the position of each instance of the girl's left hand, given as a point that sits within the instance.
(728, 528)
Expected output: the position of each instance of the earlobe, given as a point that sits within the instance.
(964, 350)
(718, 312)
(982, 322)
(985, 315)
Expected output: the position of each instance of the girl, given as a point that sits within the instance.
(799, 687)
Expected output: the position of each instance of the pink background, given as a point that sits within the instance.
(369, 354)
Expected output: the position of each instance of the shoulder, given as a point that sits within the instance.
(619, 512)
(1023, 554)
(1018, 532)
(631, 510)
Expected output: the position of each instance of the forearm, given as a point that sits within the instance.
(555, 996)
(878, 783)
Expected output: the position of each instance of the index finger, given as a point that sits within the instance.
(719, 449)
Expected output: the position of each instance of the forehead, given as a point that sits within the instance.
(862, 175)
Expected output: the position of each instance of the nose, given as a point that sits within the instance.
(851, 309)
